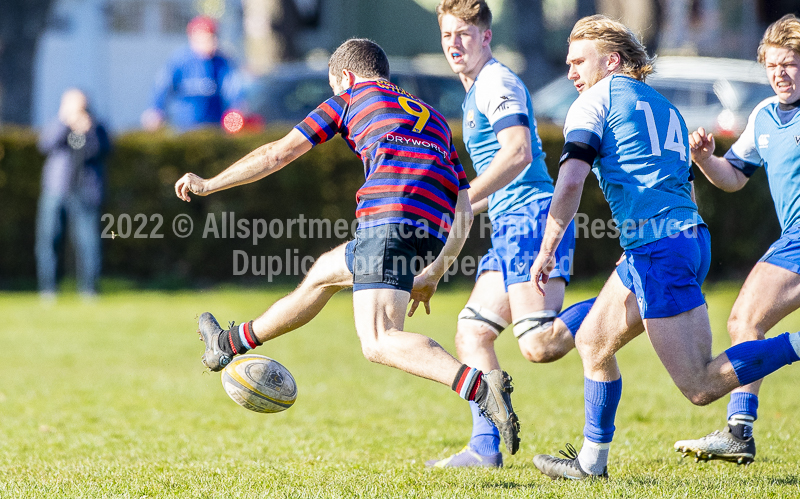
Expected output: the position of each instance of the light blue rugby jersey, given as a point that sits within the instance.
(497, 100)
(768, 142)
(642, 162)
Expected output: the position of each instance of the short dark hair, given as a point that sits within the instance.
(361, 56)
(474, 12)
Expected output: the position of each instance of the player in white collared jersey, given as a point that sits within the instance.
(772, 289)
(514, 185)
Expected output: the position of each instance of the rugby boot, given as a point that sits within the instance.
(569, 468)
(213, 358)
(722, 445)
(466, 458)
(495, 403)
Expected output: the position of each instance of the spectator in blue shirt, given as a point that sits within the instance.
(198, 86)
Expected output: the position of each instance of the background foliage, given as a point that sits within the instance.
(322, 184)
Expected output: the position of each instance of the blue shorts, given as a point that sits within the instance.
(390, 255)
(666, 275)
(516, 239)
(785, 252)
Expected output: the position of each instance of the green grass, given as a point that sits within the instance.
(109, 399)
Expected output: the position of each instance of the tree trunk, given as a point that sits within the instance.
(21, 25)
(530, 34)
(269, 26)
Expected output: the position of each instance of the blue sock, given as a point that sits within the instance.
(753, 360)
(601, 399)
(573, 316)
(485, 438)
(743, 403)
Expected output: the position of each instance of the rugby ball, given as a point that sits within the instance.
(259, 384)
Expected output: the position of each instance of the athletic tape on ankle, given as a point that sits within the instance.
(482, 314)
(534, 323)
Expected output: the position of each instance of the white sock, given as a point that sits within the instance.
(794, 339)
(593, 457)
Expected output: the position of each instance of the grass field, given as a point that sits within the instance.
(109, 399)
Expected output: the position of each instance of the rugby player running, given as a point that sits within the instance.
(772, 289)
(638, 146)
(513, 183)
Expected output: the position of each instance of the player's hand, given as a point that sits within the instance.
(424, 287)
(540, 270)
(190, 183)
(701, 145)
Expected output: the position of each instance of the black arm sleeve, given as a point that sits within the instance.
(578, 150)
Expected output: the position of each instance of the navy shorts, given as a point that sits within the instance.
(666, 275)
(390, 255)
(785, 252)
(516, 239)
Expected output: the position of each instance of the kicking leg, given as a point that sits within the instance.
(327, 276)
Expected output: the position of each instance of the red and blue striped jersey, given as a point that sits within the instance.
(413, 174)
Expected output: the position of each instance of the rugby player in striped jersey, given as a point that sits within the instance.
(412, 208)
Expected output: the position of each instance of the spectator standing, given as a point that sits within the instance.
(73, 181)
(199, 84)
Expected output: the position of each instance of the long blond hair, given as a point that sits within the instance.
(613, 36)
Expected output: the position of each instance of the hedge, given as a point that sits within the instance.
(320, 185)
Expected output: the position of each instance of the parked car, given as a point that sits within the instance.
(291, 91)
(717, 94)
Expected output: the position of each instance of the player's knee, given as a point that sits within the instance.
(741, 328)
(371, 351)
(319, 274)
(478, 328)
(587, 348)
(471, 337)
(545, 347)
(698, 397)
(697, 391)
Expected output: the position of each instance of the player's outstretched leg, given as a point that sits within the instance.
(568, 467)
(494, 400)
(222, 345)
(723, 445)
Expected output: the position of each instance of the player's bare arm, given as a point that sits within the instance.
(261, 162)
(719, 171)
(480, 206)
(426, 282)
(566, 199)
(514, 155)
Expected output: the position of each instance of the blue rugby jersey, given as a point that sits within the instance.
(639, 146)
(497, 100)
(768, 142)
(413, 174)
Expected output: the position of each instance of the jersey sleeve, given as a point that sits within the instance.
(744, 154)
(501, 97)
(583, 127)
(324, 122)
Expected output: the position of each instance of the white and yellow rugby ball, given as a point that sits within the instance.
(259, 384)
